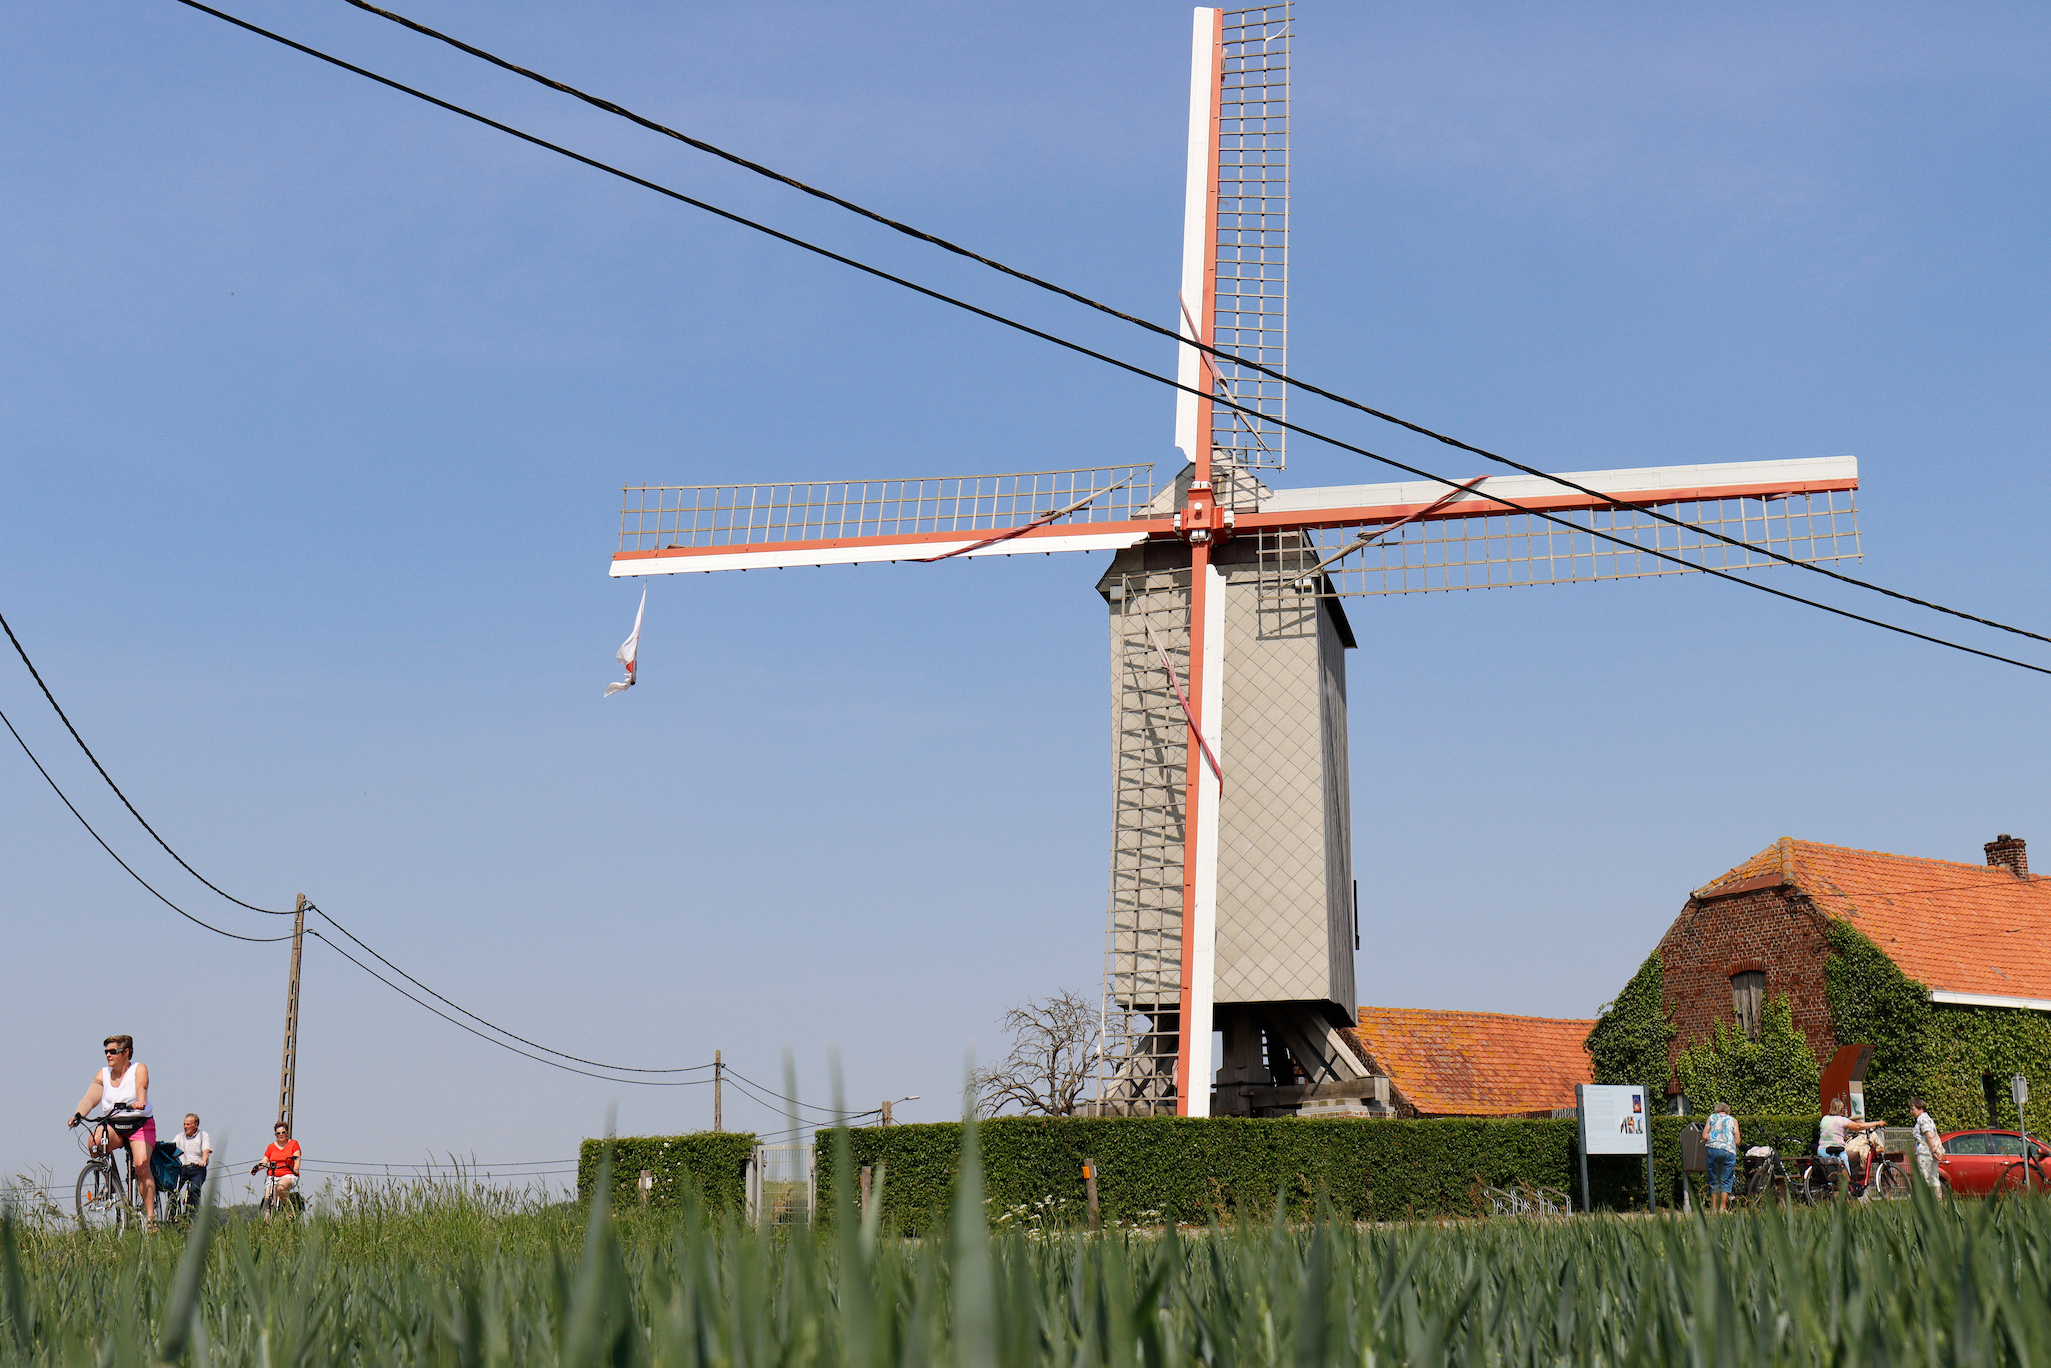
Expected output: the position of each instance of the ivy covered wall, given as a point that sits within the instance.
(1633, 1035)
(1958, 1058)
(1777, 1072)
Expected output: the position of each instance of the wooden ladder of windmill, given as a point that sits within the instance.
(1232, 904)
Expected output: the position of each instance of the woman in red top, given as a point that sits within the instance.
(280, 1167)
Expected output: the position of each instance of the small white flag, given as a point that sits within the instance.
(630, 648)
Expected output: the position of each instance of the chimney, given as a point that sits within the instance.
(2007, 851)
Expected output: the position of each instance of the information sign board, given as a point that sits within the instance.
(1615, 1118)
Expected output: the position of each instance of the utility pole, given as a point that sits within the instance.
(886, 1115)
(288, 1072)
(718, 1070)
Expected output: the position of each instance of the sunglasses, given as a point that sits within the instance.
(117, 1052)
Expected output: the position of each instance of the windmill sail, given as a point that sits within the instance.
(687, 529)
(1803, 510)
(1250, 236)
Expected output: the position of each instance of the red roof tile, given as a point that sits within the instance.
(1960, 928)
(1476, 1063)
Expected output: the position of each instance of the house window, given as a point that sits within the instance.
(1748, 1000)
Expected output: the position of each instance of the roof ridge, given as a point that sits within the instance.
(1462, 1011)
(1891, 855)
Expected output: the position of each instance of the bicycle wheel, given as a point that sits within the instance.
(2012, 1180)
(1823, 1182)
(101, 1198)
(1890, 1184)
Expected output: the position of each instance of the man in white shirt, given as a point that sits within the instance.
(195, 1150)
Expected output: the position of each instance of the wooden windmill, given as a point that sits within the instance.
(1233, 905)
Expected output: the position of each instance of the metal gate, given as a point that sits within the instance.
(783, 1185)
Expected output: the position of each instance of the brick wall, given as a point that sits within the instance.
(1774, 929)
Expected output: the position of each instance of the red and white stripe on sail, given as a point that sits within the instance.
(1361, 505)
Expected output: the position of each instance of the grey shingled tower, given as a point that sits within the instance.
(1285, 919)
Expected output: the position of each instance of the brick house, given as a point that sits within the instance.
(1972, 935)
(1474, 1063)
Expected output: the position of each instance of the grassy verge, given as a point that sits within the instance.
(460, 1277)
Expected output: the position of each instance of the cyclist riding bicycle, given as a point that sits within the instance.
(280, 1167)
(123, 1085)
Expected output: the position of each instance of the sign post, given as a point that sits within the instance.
(1614, 1119)
(2019, 1089)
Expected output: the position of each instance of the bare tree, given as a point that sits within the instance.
(1053, 1049)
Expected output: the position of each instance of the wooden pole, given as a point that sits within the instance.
(867, 1174)
(1089, 1182)
(718, 1071)
(288, 1072)
(886, 1115)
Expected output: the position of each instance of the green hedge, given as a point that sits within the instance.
(713, 1164)
(1197, 1171)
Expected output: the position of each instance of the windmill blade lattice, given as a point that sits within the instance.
(1250, 315)
(667, 517)
(1504, 550)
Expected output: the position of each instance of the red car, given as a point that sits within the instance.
(1982, 1162)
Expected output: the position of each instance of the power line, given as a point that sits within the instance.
(553, 1064)
(594, 1063)
(1082, 350)
(37, 675)
(256, 940)
(749, 1083)
(1101, 307)
(21, 651)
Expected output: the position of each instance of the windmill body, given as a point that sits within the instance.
(1232, 905)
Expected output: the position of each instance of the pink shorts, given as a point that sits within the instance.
(147, 1133)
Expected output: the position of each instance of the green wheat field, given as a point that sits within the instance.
(458, 1275)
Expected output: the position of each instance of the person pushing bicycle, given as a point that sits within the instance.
(123, 1087)
(1833, 1137)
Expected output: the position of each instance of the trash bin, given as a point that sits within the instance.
(1694, 1156)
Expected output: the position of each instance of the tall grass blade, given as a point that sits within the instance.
(183, 1311)
(15, 1291)
(975, 1283)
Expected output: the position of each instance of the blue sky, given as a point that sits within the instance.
(319, 402)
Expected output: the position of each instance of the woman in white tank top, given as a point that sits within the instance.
(125, 1084)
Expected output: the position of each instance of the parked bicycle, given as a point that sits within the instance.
(1882, 1179)
(1773, 1178)
(108, 1195)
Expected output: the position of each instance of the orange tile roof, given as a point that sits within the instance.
(1960, 928)
(1476, 1063)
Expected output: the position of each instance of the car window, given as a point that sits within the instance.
(1974, 1142)
(2005, 1144)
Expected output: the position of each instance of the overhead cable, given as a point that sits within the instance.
(257, 940)
(1190, 340)
(37, 676)
(1080, 349)
(763, 1088)
(539, 1059)
(260, 940)
(594, 1063)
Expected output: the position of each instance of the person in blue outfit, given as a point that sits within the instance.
(1720, 1141)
